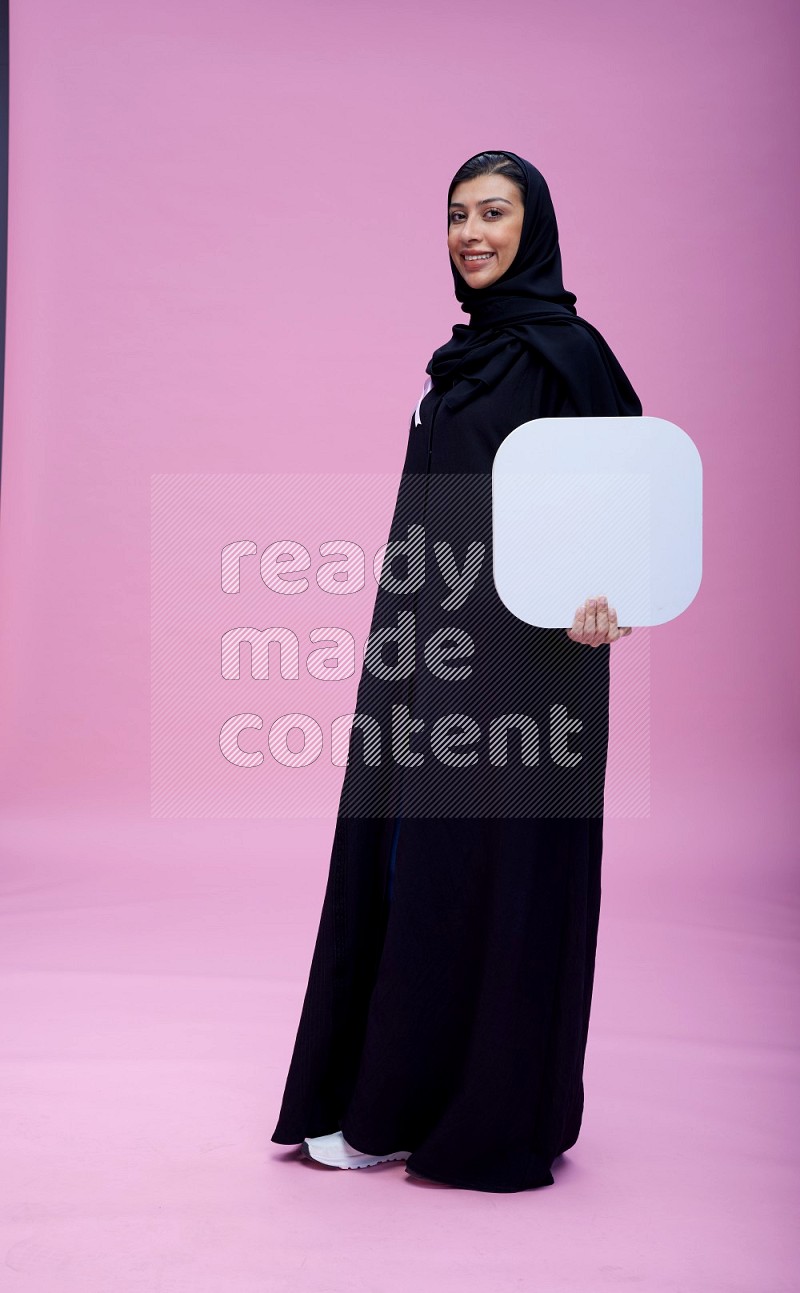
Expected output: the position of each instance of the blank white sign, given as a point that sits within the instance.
(588, 506)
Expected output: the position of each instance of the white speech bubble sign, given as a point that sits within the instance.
(587, 506)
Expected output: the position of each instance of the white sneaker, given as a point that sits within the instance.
(334, 1151)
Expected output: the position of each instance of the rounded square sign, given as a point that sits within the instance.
(588, 506)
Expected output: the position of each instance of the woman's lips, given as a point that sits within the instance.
(476, 264)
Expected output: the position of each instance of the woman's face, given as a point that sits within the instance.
(485, 221)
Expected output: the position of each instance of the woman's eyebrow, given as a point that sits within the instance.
(482, 202)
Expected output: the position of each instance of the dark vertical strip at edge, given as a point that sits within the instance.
(4, 97)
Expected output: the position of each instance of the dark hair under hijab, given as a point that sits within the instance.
(527, 307)
(490, 164)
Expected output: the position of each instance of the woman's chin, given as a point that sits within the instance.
(471, 279)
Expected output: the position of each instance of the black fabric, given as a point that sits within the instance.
(448, 999)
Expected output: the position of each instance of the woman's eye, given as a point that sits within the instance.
(456, 216)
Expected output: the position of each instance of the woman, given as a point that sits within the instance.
(446, 1014)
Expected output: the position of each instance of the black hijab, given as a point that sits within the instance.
(529, 307)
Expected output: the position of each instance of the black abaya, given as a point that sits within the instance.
(448, 999)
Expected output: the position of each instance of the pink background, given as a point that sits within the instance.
(227, 255)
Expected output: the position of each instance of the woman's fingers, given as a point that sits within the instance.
(598, 611)
(595, 623)
(590, 625)
(602, 620)
(584, 626)
(575, 630)
(614, 630)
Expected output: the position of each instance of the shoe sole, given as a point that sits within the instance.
(401, 1156)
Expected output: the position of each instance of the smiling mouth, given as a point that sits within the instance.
(476, 258)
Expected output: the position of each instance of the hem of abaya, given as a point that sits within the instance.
(545, 1177)
(461, 1183)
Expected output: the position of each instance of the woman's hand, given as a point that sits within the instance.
(596, 623)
